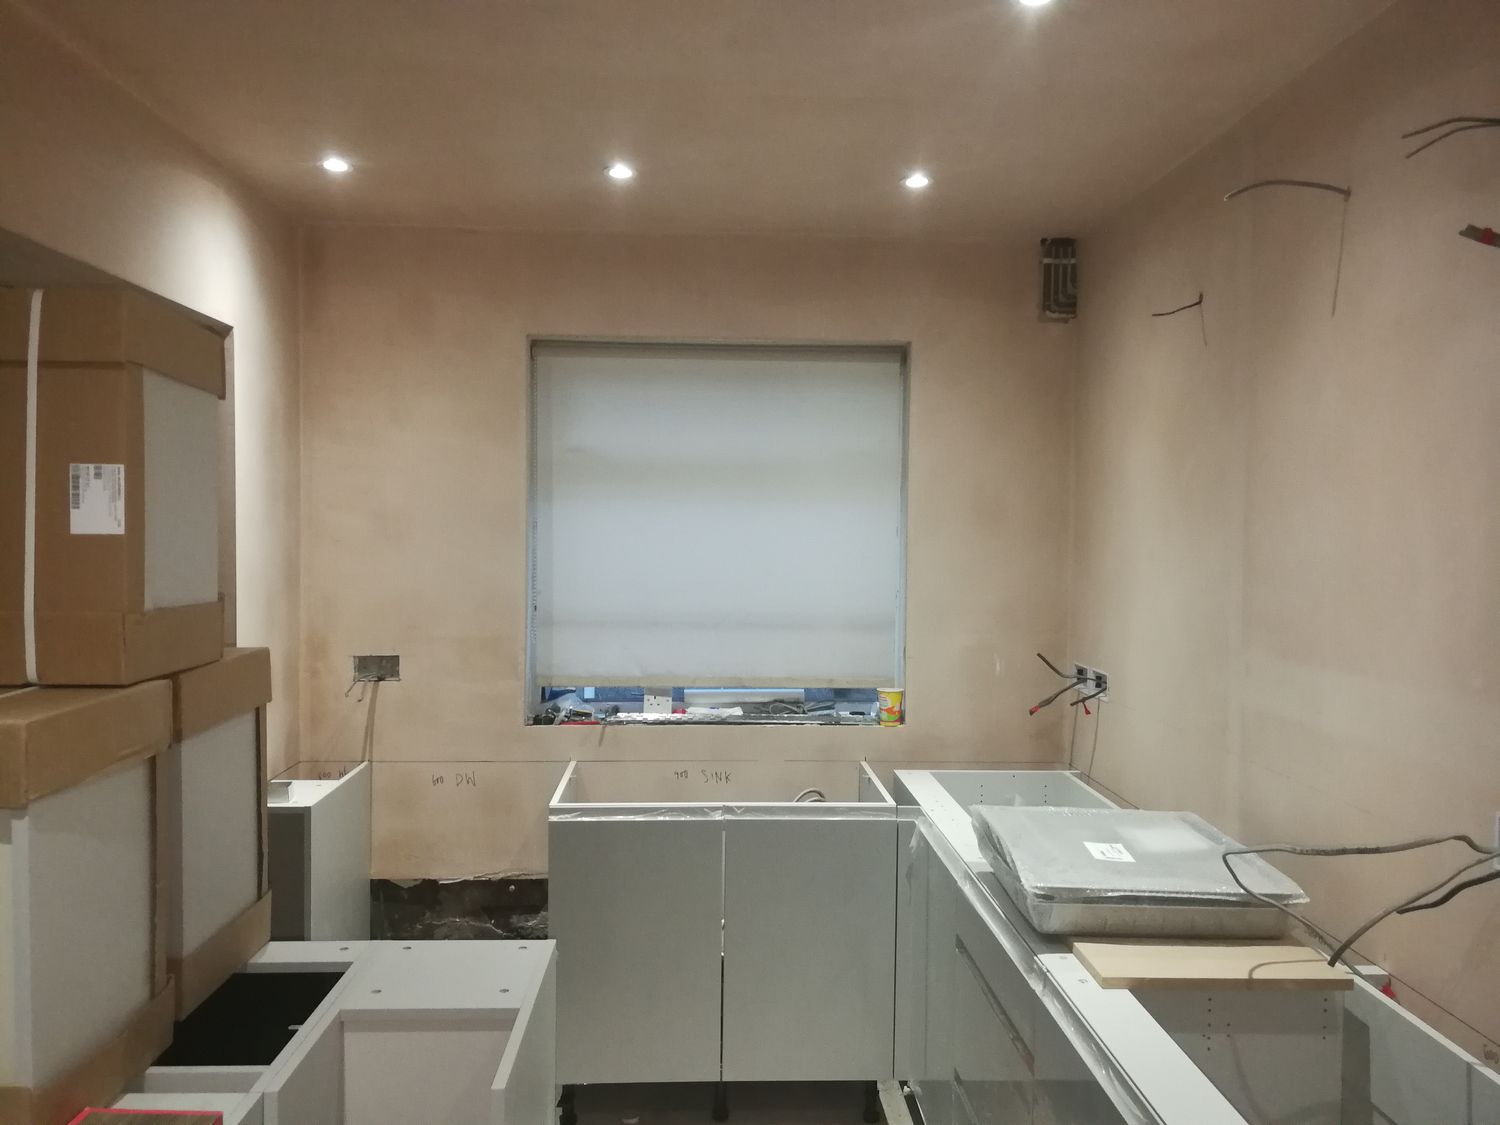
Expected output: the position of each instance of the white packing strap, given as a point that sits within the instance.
(28, 589)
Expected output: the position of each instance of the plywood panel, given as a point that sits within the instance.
(809, 943)
(440, 395)
(1274, 501)
(713, 780)
(1237, 966)
(455, 820)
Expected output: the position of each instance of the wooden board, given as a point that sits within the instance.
(147, 1117)
(1209, 965)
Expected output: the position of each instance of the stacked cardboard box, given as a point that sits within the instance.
(109, 459)
(133, 876)
(218, 897)
(85, 1000)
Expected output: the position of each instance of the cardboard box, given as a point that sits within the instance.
(214, 785)
(126, 545)
(114, 324)
(85, 1001)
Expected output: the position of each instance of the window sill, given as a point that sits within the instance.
(641, 720)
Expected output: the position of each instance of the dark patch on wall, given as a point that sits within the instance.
(429, 909)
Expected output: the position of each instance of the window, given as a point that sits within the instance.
(708, 516)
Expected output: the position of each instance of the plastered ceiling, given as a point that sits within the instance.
(739, 115)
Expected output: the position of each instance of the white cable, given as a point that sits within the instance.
(28, 585)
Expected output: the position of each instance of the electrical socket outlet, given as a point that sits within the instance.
(368, 669)
(1101, 684)
(1083, 674)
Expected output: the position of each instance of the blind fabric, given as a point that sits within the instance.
(716, 516)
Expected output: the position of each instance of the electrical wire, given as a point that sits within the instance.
(1055, 668)
(1338, 954)
(1086, 698)
(1464, 124)
(367, 743)
(1453, 893)
(1094, 749)
(1053, 698)
(1485, 855)
(1318, 184)
(1073, 682)
(1182, 308)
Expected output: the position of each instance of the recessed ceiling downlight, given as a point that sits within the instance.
(1036, 3)
(336, 164)
(619, 170)
(917, 181)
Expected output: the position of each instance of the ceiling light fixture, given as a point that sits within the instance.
(619, 170)
(336, 164)
(1036, 3)
(917, 181)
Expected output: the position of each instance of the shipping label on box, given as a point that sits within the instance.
(96, 499)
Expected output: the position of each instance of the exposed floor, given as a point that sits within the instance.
(769, 1103)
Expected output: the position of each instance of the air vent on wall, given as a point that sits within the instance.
(1059, 278)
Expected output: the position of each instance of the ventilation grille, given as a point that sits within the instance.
(1059, 278)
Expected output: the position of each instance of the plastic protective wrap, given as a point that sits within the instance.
(1128, 872)
(1085, 855)
(1132, 1095)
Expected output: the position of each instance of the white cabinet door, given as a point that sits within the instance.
(635, 908)
(809, 948)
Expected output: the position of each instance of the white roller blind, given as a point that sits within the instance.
(716, 515)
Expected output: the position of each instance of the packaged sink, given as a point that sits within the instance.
(1132, 872)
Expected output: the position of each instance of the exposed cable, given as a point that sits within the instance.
(1073, 740)
(1338, 954)
(1462, 125)
(1485, 236)
(1055, 668)
(1448, 121)
(1094, 749)
(1182, 308)
(1453, 892)
(367, 744)
(809, 796)
(1053, 698)
(1485, 855)
(1316, 184)
(1073, 682)
(1086, 698)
